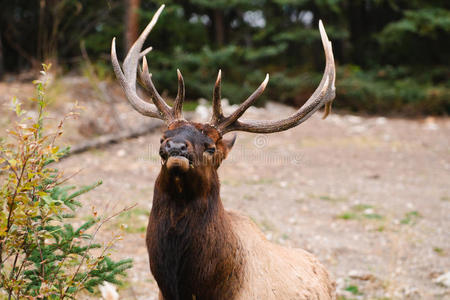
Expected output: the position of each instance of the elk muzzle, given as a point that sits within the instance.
(175, 155)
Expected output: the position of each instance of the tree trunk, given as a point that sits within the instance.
(219, 27)
(2, 67)
(41, 29)
(131, 22)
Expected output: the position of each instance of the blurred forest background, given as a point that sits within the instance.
(393, 57)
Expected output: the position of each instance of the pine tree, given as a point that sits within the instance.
(42, 254)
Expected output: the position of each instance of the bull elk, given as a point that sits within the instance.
(197, 249)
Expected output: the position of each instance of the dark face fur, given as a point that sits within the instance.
(188, 147)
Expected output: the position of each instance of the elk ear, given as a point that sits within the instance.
(229, 142)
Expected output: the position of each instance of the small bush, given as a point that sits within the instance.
(389, 90)
(43, 255)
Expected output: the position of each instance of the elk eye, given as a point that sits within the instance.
(210, 150)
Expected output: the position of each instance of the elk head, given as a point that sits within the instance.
(193, 148)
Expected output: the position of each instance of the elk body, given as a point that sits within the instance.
(197, 249)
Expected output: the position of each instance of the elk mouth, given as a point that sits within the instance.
(178, 162)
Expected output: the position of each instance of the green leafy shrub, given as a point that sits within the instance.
(43, 255)
(388, 90)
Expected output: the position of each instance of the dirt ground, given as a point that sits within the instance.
(369, 196)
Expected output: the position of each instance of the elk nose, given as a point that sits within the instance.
(173, 148)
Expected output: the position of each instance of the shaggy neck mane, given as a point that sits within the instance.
(192, 248)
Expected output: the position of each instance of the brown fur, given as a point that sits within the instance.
(198, 250)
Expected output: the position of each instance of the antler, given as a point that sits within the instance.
(323, 95)
(127, 79)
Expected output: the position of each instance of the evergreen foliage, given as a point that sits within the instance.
(42, 253)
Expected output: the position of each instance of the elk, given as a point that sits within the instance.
(197, 249)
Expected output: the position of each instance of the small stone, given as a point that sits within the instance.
(121, 153)
(202, 112)
(381, 121)
(430, 124)
(354, 119)
(412, 293)
(340, 284)
(443, 280)
(108, 291)
(358, 129)
(368, 211)
(355, 274)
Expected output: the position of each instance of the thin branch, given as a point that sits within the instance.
(61, 123)
(92, 240)
(11, 275)
(11, 207)
(69, 177)
(7, 162)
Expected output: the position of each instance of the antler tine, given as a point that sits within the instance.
(147, 82)
(324, 94)
(178, 105)
(127, 77)
(245, 105)
(131, 60)
(145, 52)
(138, 104)
(217, 104)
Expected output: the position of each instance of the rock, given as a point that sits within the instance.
(443, 280)
(336, 119)
(430, 124)
(409, 292)
(340, 284)
(358, 129)
(381, 121)
(369, 211)
(202, 112)
(108, 291)
(121, 153)
(360, 275)
(354, 119)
